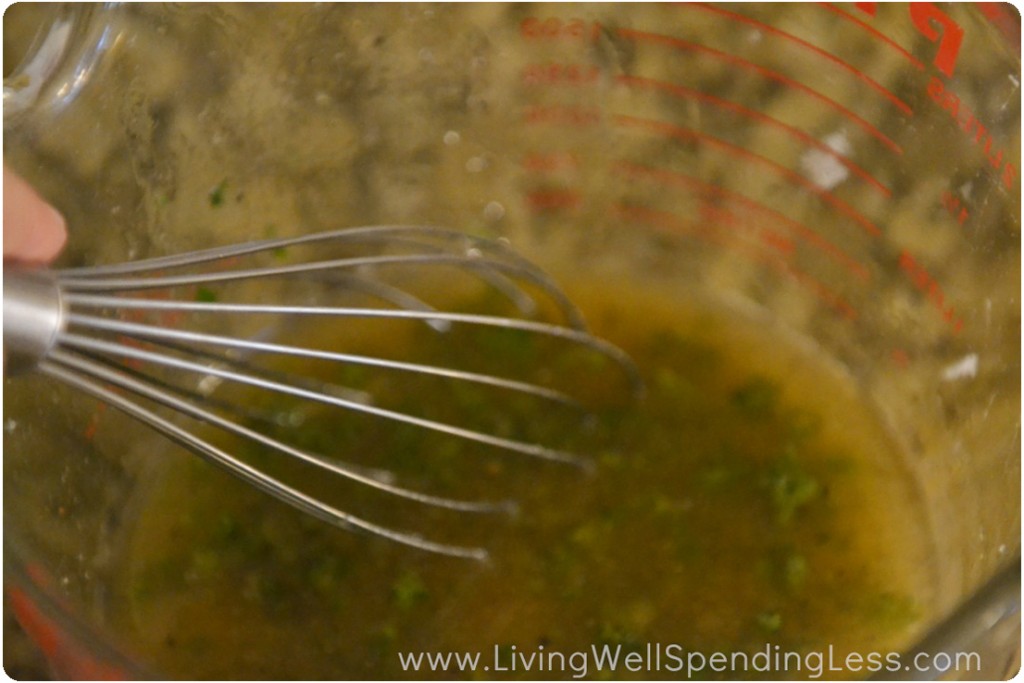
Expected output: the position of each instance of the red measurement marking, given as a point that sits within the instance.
(672, 224)
(900, 358)
(918, 64)
(1006, 19)
(671, 131)
(94, 422)
(563, 115)
(676, 43)
(955, 206)
(677, 179)
(926, 284)
(718, 216)
(131, 342)
(936, 26)
(535, 28)
(965, 119)
(229, 262)
(560, 74)
(171, 318)
(551, 161)
(683, 92)
(777, 241)
(542, 200)
(875, 85)
(66, 653)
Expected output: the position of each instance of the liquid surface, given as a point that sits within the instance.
(724, 515)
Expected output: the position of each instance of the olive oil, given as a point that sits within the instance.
(750, 499)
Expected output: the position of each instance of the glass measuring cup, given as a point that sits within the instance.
(847, 173)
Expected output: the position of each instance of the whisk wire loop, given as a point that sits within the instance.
(248, 473)
(109, 322)
(164, 333)
(72, 340)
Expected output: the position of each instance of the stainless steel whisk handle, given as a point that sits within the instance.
(34, 316)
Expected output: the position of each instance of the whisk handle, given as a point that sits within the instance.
(33, 316)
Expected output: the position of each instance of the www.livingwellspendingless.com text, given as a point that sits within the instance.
(672, 658)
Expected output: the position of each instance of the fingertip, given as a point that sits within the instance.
(53, 233)
(41, 239)
(34, 231)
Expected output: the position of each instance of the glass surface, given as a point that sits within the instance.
(849, 174)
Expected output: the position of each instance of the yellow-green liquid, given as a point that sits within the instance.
(749, 500)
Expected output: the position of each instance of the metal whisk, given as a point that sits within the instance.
(84, 327)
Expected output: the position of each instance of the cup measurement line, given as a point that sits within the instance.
(825, 54)
(552, 162)
(807, 139)
(548, 198)
(679, 179)
(917, 63)
(554, 199)
(672, 131)
(672, 224)
(764, 72)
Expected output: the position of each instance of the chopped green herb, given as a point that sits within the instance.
(206, 562)
(614, 633)
(611, 460)
(891, 611)
(217, 193)
(327, 575)
(512, 346)
(794, 571)
(791, 488)
(677, 388)
(770, 622)
(206, 295)
(408, 591)
(270, 232)
(226, 528)
(716, 477)
(803, 425)
(382, 642)
(757, 398)
(266, 590)
(589, 535)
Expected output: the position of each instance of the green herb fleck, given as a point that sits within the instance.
(890, 611)
(382, 642)
(206, 295)
(770, 622)
(217, 194)
(757, 398)
(794, 571)
(803, 425)
(408, 590)
(267, 591)
(227, 528)
(791, 488)
(204, 564)
(716, 477)
(270, 232)
(612, 633)
(327, 575)
(612, 460)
